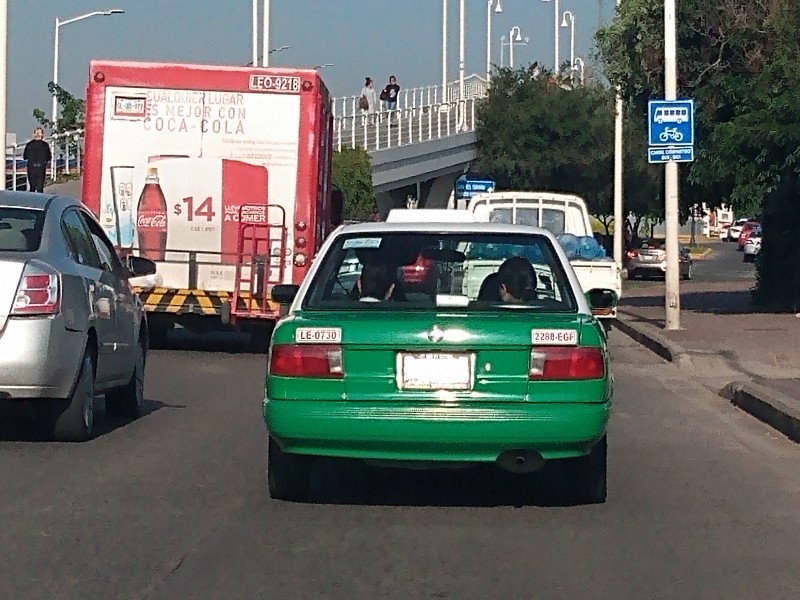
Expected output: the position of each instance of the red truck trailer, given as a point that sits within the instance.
(222, 175)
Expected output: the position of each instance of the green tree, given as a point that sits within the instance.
(536, 134)
(740, 61)
(72, 111)
(352, 173)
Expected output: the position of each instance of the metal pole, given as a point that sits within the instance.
(502, 51)
(572, 46)
(444, 51)
(619, 213)
(672, 301)
(489, 39)
(461, 49)
(54, 113)
(557, 39)
(265, 36)
(3, 88)
(255, 33)
(511, 49)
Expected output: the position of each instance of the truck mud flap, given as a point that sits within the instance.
(196, 302)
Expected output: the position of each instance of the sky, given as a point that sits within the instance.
(375, 38)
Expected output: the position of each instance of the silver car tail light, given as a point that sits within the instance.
(38, 292)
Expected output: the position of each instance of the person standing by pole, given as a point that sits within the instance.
(37, 154)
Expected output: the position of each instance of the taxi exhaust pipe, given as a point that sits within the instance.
(520, 461)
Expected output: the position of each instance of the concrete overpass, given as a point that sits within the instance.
(420, 148)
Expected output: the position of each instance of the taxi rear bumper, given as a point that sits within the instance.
(434, 432)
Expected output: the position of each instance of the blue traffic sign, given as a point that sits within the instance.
(671, 122)
(665, 154)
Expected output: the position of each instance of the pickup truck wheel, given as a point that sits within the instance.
(586, 476)
(288, 475)
(127, 401)
(72, 420)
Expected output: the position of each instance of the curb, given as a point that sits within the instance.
(651, 339)
(772, 407)
(776, 409)
(701, 255)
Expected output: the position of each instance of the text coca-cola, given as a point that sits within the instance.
(151, 218)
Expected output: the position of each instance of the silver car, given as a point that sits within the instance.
(71, 327)
(650, 258)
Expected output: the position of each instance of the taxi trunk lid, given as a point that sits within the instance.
(409, 356)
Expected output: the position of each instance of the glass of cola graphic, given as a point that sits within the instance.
(151, 218)
(122, 184)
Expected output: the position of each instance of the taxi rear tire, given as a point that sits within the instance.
(587, 475)
(288, 475)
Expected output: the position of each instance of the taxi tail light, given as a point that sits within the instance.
(306, 360)
(38, 292)
(556, 363)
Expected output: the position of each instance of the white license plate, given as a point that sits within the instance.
(435, 371)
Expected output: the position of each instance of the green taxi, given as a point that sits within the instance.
(498, 358)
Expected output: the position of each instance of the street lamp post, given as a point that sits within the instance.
(444, 51)
(503, 43)
(272, 51)
(325, 66)
(511, 40)
(462, 24)
(582, 67)
(265, 36)
(498, 9)
(4, 82)
(58, 25)
(568, 14)
(255, 33)
(556, 42)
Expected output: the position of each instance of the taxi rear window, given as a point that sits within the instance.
(413, 271)
(20, 229)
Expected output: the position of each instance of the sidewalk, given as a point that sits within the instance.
(752, 357)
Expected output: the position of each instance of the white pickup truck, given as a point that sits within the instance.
(560, 214)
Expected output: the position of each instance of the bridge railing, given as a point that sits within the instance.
(475, 86)
(401, 127)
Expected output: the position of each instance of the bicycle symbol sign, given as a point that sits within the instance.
(671, 122)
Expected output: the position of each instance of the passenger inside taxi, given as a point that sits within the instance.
(378, 282)
(513, 283)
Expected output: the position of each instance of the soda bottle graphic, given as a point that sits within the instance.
(151, 218)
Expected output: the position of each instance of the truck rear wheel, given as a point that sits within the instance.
(260, 335)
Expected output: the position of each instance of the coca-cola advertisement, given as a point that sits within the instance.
(189, 161)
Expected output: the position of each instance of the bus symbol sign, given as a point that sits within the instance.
(671, 122)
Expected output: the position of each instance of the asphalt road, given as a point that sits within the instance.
(702, 504)
(723, 264)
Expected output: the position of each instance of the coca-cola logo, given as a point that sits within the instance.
(152, 221)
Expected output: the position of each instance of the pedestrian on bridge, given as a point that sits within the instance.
(368, 103)
(37, 154)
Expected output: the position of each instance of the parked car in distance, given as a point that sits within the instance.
(71, 327)
(649, 258)
(752, 246)
(736, 228)
(504, 363)
(744, 235)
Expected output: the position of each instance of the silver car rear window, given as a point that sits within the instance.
(20, 229)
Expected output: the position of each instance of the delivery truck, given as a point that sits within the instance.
(221, 175)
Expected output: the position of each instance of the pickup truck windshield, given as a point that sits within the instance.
(552, 218)
(412, 271)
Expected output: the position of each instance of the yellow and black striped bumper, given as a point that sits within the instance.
(199, 302)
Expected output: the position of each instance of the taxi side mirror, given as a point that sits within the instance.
(284, 293)
(139, 266)
(602, 301)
